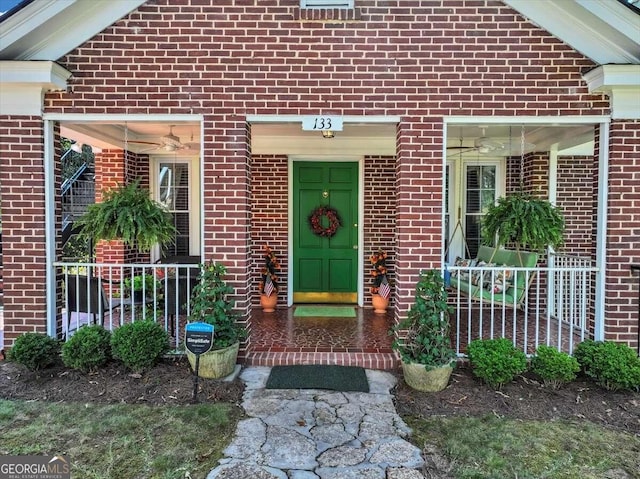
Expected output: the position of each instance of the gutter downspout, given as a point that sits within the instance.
(50, 227)
(601, 231)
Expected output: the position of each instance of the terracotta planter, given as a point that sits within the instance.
(268, 303)
(217, 363)
(417, 377)
(379, 303)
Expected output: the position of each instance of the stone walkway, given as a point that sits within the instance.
(319, 434)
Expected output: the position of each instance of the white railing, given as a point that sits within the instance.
(531, 306)
(115, 294)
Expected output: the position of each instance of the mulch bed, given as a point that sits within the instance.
(526, 399)
(171, 382)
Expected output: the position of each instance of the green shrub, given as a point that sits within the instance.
(554, 367)
(88, 349)
(612, 365)
(585, 354)
(139, 345)
(496, 361)
(35, 350)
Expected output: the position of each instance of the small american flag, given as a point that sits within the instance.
(384, 290)
(268, 286)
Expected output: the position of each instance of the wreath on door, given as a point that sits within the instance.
(315, 221)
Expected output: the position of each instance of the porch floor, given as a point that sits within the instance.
(279, 338)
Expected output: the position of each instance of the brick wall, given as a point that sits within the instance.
(419, 61)
(575, 197)
(623, 242)
(23, 225)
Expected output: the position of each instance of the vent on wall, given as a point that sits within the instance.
(326, 4)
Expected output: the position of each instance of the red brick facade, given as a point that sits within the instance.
(228, 59)
(23, 225)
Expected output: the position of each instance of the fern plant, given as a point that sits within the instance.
(129, 214)
(524, 220)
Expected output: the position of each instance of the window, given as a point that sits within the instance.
(471, 187)
(176, 188)
(344, 4)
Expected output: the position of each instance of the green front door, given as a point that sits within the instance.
(325, 269)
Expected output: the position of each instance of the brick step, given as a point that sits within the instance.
(381, 361)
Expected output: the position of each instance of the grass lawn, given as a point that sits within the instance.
(492, 447)
(121, 441)
(137, 441)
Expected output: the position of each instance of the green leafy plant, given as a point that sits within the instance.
(35, 351)
(88, 349)
(554, 367)
(423, 337)
(496, 361)
(585, 353)
(210, 304)
(142, 282)
(129, 214)
(528, 222)
(139, 345)
(612, 365)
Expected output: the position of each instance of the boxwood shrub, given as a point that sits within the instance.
(139, 345)
(88, 349)
(554, 367)
(496, 361)
(611, 365)
(35, 351)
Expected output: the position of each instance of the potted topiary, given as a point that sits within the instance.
(268, 285)
(129, 214)
(422, 339)
(210, 304)
(525, 221)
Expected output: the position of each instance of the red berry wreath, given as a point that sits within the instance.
(315, 221)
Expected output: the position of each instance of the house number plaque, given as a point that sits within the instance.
(322, 123)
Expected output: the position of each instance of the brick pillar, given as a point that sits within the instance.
(110, 172)
(23, 225)
(623, 232)
(226, 208)
(419, 177)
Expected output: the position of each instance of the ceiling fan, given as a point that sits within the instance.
(493, 146)
(169, 142)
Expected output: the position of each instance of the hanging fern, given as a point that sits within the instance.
(526, 221)
(129, 214)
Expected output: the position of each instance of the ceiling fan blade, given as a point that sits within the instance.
(144, 142)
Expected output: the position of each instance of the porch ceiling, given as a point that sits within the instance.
(355, 139)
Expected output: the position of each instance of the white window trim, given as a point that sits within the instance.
(457, 199)
(194, 198)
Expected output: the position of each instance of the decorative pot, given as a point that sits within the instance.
(379, 303)
(216, 363)
(268, 303)
(433, 380)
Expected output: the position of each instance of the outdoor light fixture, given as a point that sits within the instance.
(327, 134)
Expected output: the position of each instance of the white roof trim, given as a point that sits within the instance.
(48, 29)
(621, 83)
(603, 30)
(23, 85)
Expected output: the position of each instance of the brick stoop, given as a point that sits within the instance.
(381, 361)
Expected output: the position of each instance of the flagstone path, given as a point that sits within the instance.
(319, 434)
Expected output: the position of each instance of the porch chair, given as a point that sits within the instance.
(178, 290)
(87, 295)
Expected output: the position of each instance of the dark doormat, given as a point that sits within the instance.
(317, 376)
